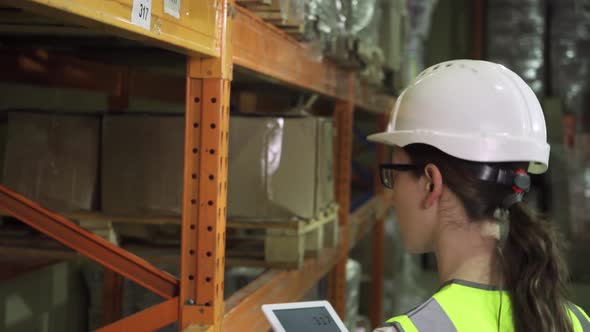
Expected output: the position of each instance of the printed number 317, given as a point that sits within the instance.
(143, 11)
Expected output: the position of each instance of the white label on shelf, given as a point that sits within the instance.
(172, 8)
(141, 14)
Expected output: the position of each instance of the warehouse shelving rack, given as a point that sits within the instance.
(215, 35)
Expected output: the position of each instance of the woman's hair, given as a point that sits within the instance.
(534, 272)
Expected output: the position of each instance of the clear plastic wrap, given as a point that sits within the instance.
(419, 15)
(331, 30)
(343, 17)
(370, 53)
(359, 14)
(293, 11)
(570, 43)
(517, 33)
(339, 23)
(392, 31)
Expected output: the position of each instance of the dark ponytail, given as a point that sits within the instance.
(534, 272)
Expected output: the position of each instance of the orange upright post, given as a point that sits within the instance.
(112, 297)
(378, 244)
(343, 115)
(205, 188)
(478, 28)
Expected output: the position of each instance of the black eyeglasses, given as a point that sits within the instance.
(386, 172)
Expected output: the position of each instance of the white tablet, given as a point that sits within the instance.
(316, 316)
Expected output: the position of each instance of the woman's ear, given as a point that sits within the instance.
(434, 185)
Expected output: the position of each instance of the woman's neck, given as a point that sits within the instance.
(468, 251)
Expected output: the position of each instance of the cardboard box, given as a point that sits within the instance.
(142, 165)
(52, 159)
(280, 167)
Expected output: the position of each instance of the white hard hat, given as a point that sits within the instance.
(472, 110)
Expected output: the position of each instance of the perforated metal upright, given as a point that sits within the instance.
(205, 187)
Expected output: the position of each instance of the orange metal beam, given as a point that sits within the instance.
(88, 244)
(344, 116)
(44, 68)
(243, 308)
(267, 50)
(148, 320)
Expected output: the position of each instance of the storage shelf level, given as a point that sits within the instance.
(195, 32)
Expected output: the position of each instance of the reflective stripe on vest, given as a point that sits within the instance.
(431, 315)
(488, 310)
(427, 315)
(580, 316)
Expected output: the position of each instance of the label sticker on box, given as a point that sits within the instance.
(141, 14)
(172, 8)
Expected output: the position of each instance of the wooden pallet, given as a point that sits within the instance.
(280, 243)
(255, 242)
(250, 242)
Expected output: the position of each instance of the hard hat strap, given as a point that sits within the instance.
(518, 180)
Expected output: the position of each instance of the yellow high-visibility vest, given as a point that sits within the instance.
(463, 306)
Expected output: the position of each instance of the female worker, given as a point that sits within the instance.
(465, 134)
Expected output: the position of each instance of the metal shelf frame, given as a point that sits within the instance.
(223, 36)
(197, 32)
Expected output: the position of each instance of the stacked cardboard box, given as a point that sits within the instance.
(142, 165)
(280, 167)
(52, 159)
